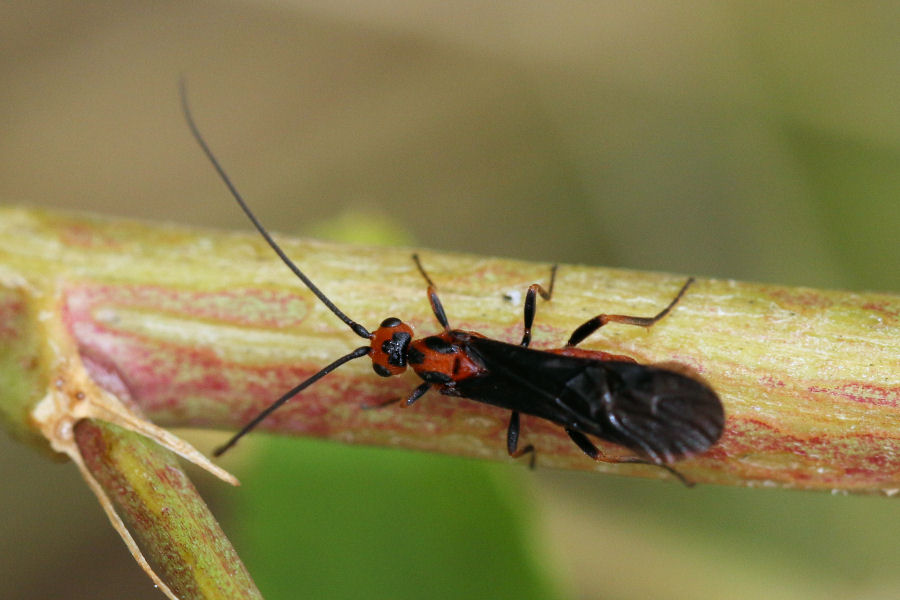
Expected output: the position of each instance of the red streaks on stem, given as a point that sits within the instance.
(182, 382)
(187, 383)
(770, 382)
(173, 479)
(863, 393)
(889, 314)
(87, 237)
(171, 377)
(801, 300)
(820, 459)
(250, 307)
(12, 308)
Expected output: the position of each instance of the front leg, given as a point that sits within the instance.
(436, 307)
(414, 395)
(418, 393)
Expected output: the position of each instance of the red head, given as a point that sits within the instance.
(390, 343)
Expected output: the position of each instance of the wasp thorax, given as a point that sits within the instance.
(390, 344)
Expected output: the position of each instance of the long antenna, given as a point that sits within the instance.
(361, 351)
(356, 327)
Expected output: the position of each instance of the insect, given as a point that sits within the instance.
(660, 415)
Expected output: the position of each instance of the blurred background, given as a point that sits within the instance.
(748, 140)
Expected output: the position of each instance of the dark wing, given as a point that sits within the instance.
(660, 414)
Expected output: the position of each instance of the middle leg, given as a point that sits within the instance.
(531, 304)
(588, 447)
(512, 440)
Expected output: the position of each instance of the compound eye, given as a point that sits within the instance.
(381, 370)
(384, 366)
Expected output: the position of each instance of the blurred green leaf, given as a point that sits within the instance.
(856, 185)
(326, 521)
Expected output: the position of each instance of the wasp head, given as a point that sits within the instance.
(390, 344)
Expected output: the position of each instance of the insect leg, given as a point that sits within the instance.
(592, 325)
(380, 403)
(588, 447)
(512, 440)
(415, 395)
(531, 304)
(640, 461)
(582, 441)
(436, 307)
(418, 393)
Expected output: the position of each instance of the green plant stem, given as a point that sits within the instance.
(202, 328)
(162, 509)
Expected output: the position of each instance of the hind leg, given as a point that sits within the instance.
(588, 447)
(592, 325)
